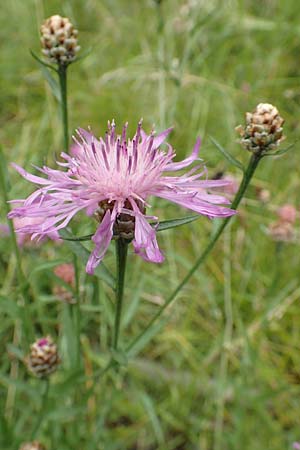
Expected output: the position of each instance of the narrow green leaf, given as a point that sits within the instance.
(87, 237)
(162, 226)
(281, 152)
(231, 159)
(83, 254)
(154, 419)
(172, 223)
(84, 55)
(40, 61)
(53, 83)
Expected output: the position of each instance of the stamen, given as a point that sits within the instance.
(112, 133)
(105, 157)
(129, 164)
(124, 133)
(118, 154)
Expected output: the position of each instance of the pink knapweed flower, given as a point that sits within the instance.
(25, 238)
(287, 213)
(113, 179)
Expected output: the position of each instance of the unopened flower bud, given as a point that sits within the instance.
(59, 40)
(263, 195)
(43, 358)
(263, 130)
(35, 445)
(287, 213)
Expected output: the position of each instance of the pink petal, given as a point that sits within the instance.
(186, 162)
(102, 239)
(196, 202)
(145, 243)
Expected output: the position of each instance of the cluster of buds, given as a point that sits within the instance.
(263, 130)
(66, 273)
(43, 358)
(59, 40)
(283, 228)
(35, 445)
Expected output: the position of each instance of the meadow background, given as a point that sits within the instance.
(224, 374)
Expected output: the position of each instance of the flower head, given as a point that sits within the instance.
(43, 358)
(35, 445)
(287, 213)
(263, 130)
(112, 179)
(59, 40)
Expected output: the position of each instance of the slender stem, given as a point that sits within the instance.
(242, 189)
(41, 415)
(62, 73)
(121, 257)
(23, 283)
(76, 310)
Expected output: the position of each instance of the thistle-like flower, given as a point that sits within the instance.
(35, 445)
(43, 358)
(112, 179)
(263, 130)
(59, 40)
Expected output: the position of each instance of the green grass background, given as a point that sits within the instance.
(224, 373)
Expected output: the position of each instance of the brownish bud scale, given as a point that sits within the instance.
(124, 225)
(263, 130)
(66, 273)
(59, 40)
(35, 445)
(43, 358)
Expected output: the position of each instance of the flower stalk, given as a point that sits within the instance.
(121, 258)
(62, 74)
(152, 328)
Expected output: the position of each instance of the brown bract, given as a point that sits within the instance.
(43, 358)
(263, 130)
(59, 40)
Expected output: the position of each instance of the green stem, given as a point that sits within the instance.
(121, 257)
(62, 73)
(43, 408)
(23, 283)
(242, 189)
(76, 310)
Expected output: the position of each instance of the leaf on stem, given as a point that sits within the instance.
(172, 223)
(231, 159)
(54, 86)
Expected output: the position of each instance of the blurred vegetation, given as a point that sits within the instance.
(224, 374)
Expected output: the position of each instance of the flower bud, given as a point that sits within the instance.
(59, 40)
(43, 358)
(35, 445)
(287, 213)
(263, 130)
(66, 273)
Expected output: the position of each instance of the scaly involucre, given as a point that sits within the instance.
(113, 178)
